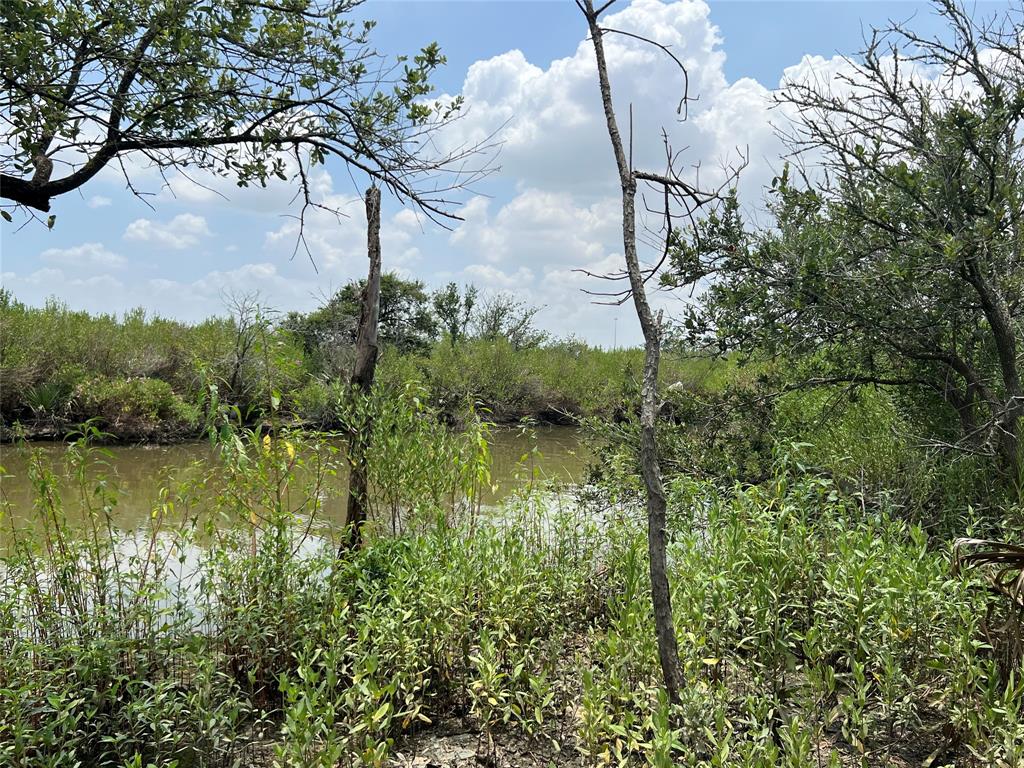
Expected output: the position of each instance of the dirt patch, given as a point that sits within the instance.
(457, 744)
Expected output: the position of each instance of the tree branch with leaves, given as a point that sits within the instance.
(900, 264)
(243, 89)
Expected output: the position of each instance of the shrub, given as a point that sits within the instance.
(130, 408)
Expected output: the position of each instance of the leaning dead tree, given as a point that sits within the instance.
(362, 377)
(685, 199)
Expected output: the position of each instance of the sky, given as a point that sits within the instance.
(548, 210)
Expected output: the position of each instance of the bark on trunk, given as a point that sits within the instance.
(661, 598)
(362, 376)
(1006, 423)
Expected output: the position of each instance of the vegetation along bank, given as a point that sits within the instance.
(141, 378)
(799, 541)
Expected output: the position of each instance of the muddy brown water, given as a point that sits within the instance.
(139, 472)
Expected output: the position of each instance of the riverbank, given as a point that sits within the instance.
(146, 379)
(815, 627)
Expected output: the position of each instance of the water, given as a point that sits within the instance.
(139, 472)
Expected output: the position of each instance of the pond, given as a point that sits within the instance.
(139, 472)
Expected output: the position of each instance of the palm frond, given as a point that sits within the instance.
(1002, 564)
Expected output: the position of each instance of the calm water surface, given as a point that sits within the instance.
(139, 472)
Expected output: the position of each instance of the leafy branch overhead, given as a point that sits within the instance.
(901, 266)
(244, 89)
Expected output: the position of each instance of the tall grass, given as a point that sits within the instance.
(564, 380)
(812, 631)
(195, 643)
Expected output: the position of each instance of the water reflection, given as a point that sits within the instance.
(139, 472)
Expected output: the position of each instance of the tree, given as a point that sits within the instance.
(674, 191)
(250, 325)
(454, 310)
(503, 316)
(327, 335)
(405, 318)
(362, 377)
(902, 266)
(240, 88)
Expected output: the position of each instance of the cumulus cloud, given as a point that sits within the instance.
(183, 231)
(91, 293)
(563, 215)
(337, 242)
(553, 211)
(84, 255)
(551, 119)
(487, 276)
(537, 226)
(203, 187)
(278, 288)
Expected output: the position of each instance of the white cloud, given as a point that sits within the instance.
(565, 211)
(537, 227)
(84, 255)
(248, 277)
(490, 277)
(277, 289)
(202, 187)
(183, 231)
(553, 211)
(91, 293)
(99, 201)
(337, 243)
(554, 134)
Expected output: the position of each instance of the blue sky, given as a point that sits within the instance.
(549, 210)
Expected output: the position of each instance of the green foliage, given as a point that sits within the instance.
(807, 627)
(504, 317)
(130, 406)
(189, 639)
(564, 380)
(232, 88)
(51, 356)
(454, 310)
(406, 321)
(60, 366)
(901, 266)
(847, 432)
(812, 624)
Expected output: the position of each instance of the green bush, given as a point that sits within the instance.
(134, 407)
(809, 629)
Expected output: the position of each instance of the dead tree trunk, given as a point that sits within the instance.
(668, 651)
(362, 377)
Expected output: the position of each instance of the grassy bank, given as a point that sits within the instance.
(146, 378)
(816, 628)
(819, 618)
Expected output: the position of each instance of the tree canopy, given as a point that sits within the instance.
(902, 266)
(244, 89)
(503, 316)
(406, 320)
(454, 310)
